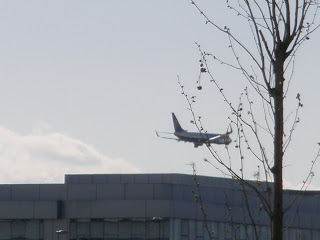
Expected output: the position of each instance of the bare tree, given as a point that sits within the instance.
(278, 28)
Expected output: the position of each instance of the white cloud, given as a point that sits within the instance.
(45, 157)
(289, 185)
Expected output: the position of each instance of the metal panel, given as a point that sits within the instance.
(110, 191)
(99, 179)
(110, 228)
(181, 212)
(82, 191)
(141, 178)
(184, 227)
(155, 178)
(177, 229)
(118, 209)
(5, 227)
(214, 212)
(192, 229)
(96, 229)
(159, 208)
(77, 209)
(45, 209)
(127, 178)
(214, 230)
(153, 230)
(221, 231)
(16, 210)
(124, 230)
(5, 192)
(25, 192)
(33, 230)
(162, 191)
(18, 229)
(83, 230)
(113, 178)
(85, 179)
(139, 192)
(53, 192)
(183, 192)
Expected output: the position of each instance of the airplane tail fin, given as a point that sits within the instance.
(177, 127)
(229, 132)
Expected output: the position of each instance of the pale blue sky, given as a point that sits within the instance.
(98, 77)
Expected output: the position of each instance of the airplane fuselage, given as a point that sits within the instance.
(201, 138)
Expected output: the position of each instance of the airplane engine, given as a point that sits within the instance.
(197, 144)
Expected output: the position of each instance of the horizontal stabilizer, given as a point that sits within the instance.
(157, 133)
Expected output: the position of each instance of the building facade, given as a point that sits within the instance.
(145, 206)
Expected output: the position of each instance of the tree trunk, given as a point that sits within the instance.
(277, 217)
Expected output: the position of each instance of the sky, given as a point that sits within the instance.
(85, 84)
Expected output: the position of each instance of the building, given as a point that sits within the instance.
(143, 206)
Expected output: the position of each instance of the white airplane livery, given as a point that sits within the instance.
(197, 138)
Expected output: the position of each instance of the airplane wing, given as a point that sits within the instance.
(177, 139)
(221, 139)
(215, 137)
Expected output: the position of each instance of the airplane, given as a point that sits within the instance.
(197, 138)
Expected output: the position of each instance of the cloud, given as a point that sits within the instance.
(291, 186)
(45, 158)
